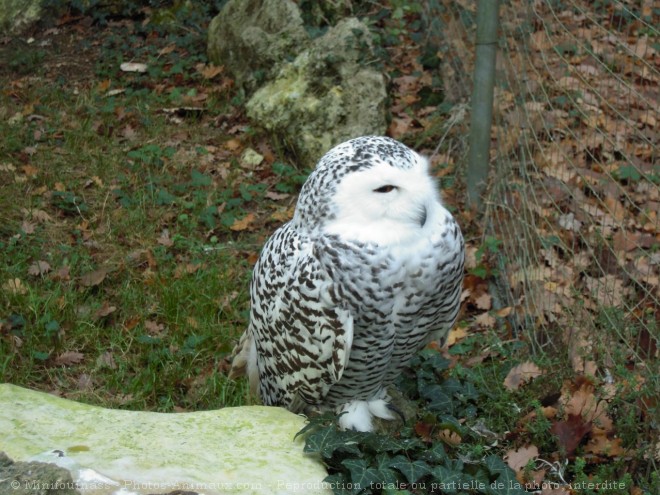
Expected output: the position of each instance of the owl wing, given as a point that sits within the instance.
(302, 336)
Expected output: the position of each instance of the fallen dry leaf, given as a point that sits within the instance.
(105, 310)
(186, 269)
(252, 257)
(504, 312)
(243, 223)
(210, 71)
(27, 227)
(39, 268)
(93, 278)
(275, 196)
(450, 437)
(424, 431)
(14, 286)
(570, 432)
(61, 274)
(484, 301)
(39, 215)
(456, 334)
(131, 323)
(153, 327)
(84, 382)
(518, 459)
(128, 132)
(167, 49)
(103, 86)
(399, 126)
(68, 358)
(106, 360)
(521, 374)
(602, 445)
(164, 239)
(578, 399)
(29, 170)
(232, 144)
(485, 320)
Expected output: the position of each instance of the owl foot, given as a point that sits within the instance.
(358, 414)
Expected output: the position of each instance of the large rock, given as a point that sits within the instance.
(312, 94)
(233, 450)
(252, 38)
(18, 14)
(327, 95)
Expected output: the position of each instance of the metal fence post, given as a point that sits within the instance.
(482, 101)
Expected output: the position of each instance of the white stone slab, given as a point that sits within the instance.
(109, 451)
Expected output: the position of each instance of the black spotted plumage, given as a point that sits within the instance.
(367, 272)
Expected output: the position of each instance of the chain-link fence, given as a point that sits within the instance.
(574, 193)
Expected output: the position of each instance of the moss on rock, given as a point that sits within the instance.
(15, 15)
(252, 38)
(34, 478)
(326, 95)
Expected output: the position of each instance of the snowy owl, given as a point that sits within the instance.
(367, 272)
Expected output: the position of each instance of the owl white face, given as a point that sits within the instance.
(385, 204)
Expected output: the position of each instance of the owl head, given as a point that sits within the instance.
(369, 189)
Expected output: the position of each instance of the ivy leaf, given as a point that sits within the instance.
(362, 476)
(438, 399)
(412, 470)
(436, 453)
(506, 482)
(495, 465)
(339, 483)
(328, 440)
(386, 443)
(452, 386)
(447, 478)
(434, 360)
(450, 423)
(316, 422)
(386, 475)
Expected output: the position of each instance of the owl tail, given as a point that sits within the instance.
(244, 361)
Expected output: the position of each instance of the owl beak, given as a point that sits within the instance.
(422, 217)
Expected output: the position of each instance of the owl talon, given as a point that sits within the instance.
(398, 411)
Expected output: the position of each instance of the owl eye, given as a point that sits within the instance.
(385, 189)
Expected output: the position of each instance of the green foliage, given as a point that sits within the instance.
(406, 462)
(25, 60)
(162, 12)
(118, 186)
(68, 202)
(628, 173)
(488, 250)
(290, 178)
(604, 478)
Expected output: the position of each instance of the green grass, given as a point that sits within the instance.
(91, 182)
